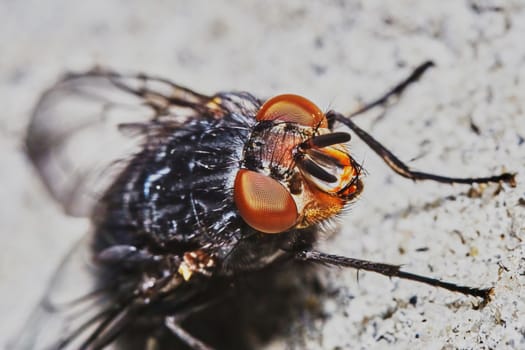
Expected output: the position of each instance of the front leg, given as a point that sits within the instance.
(390, 271)
(402, 169)
(397, 90)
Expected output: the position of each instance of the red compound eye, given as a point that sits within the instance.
(264, 203)
(292, 108)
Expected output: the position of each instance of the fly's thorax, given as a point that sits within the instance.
(295, 171)
(271, 149)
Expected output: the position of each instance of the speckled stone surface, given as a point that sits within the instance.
(337, 53)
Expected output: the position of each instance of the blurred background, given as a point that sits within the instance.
(464, 118)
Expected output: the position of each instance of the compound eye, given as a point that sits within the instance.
(293, 109)
(264, 203)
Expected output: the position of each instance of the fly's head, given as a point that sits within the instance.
(295, 171)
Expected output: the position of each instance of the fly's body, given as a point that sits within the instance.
(215, 187)
(176, 191)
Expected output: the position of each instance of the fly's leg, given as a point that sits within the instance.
(111, 327)
(388, 157)
(396, 90)
(158, 93)
(402, 169)
(173, 325)
(390, 271)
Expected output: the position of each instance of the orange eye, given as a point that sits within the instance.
(292, 108)
(263, 202)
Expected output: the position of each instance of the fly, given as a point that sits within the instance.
(199, 191)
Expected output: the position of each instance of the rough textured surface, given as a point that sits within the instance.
(337, 54)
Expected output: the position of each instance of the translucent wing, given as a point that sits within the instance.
(83, 131)
(77, 140)
(75, 304)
